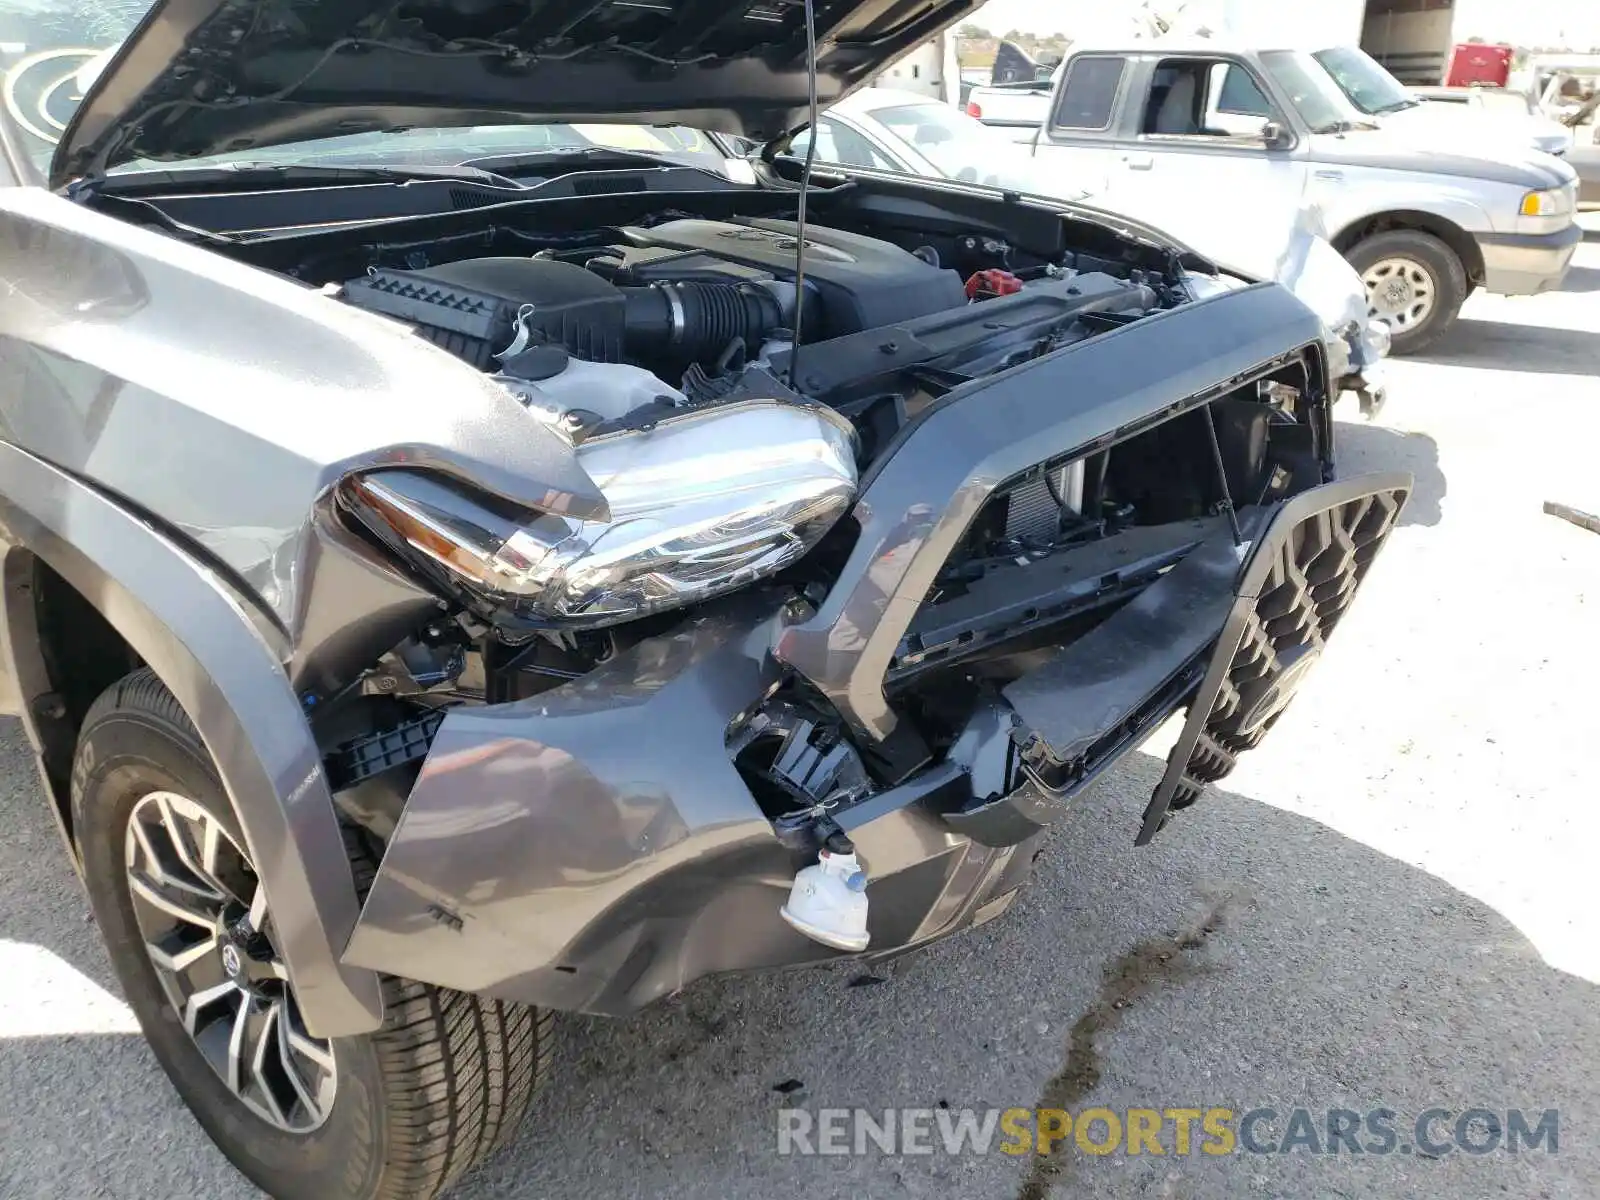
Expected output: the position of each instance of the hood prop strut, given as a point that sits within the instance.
(1226, 503)
(805, 186)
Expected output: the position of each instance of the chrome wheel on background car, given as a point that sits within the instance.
(205, 926)
(1400, 292)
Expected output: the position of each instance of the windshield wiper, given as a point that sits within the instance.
(235, 173)
(1397, 106)
(486, 171)
(519, 160)
(590, 156)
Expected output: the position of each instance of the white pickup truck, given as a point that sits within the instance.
(1498, 113)
(1161, 129)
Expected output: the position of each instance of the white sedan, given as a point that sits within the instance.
(888, 130)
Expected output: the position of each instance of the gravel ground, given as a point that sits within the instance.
(1391, 906)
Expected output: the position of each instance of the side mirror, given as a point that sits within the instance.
(1276, 136)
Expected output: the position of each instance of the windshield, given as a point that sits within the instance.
(944, 135)
(1311, 91)
(961, 148)
(466, 144)
(51, 52)
(1367, 85)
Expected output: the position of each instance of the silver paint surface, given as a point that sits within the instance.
(229, 680)
(593, 847)
(228, 400)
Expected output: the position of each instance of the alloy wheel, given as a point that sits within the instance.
(1400, 292)
(202, 915)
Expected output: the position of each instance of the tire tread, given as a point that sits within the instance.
(456, 1090)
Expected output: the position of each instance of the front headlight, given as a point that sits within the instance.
(1552, 203)
(700, 505)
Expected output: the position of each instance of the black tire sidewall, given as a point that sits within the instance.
(1449, 281)
(121, 758)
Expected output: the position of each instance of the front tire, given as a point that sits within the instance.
(399, 1114)
(1415, 285)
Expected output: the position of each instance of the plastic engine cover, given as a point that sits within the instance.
(861, 282)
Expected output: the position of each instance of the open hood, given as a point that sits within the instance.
(202, 77)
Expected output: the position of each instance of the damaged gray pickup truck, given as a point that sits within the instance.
(464, 558)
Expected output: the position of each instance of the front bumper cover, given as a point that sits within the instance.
(594, 847)
(1525, 264)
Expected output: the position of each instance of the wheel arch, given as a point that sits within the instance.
(61, 653)
(1462, 244)
(164, 609)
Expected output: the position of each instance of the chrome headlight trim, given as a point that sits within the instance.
(701, 504)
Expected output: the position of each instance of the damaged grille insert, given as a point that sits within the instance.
(1302, 573)
(1079, 707)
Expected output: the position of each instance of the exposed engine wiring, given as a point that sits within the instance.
(805, 186)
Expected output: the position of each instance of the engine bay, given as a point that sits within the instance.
(691, 312)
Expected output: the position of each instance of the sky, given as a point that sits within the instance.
(1574, 23)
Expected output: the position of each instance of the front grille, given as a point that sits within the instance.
(1302, 577)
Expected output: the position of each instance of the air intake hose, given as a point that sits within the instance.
(695, 321)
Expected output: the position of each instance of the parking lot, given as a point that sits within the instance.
(1390, 905)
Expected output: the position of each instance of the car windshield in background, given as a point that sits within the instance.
(945, 136)
(1366, 84)
(961, 148)
(1312, 91)
(51, 52)
(448, 147)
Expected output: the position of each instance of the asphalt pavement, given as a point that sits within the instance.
(1391, 905)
